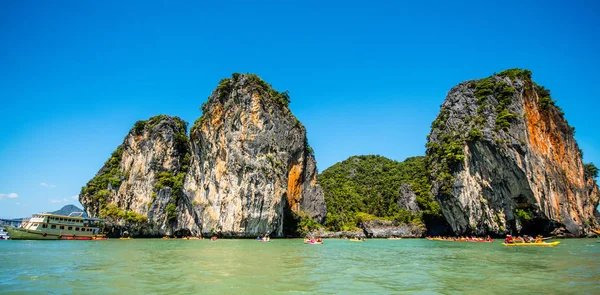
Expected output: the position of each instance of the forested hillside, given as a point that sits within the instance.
(368, 187)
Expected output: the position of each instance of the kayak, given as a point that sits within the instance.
(353, 240)
(125, 238)
(596, 231)
(543, 244)
(460, 240)
(308, 242)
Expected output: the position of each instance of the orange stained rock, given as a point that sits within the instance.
(546, 139)
(217, 116)
(294, 189)
(255, 110)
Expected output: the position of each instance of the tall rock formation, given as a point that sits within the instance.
(252, 169)
(504, 160)
(248, 170)
(142, 183)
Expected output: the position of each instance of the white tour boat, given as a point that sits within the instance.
(46, 226)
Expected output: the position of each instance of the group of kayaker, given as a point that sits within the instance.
(313, 240)
(183, 238)
(461, 239)
(265, 238)
(524, 239)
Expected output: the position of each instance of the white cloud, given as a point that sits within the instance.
(47, 185)
(9, 196)
(64, 200)
(76, 197)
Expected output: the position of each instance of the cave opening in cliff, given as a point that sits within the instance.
(437, 225)
(291, 221)
(294, 221)
(532, 222)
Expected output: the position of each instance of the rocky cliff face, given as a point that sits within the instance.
(248, 170)
(141, 184)
(408, 199)
(252, 169)
(504, 160)
(387, 228)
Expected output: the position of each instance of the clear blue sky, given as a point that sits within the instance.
(365, 77)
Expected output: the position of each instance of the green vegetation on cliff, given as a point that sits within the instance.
(367, 187)
(114, 212)
(97, 187)
(591, 170)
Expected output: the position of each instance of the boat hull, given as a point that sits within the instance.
(24, 234)
(27, 234)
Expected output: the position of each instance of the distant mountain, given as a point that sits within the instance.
(66, 210)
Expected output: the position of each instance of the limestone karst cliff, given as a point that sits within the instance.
(503, 159)
(141, 183)
(247, 170)
(252, 170)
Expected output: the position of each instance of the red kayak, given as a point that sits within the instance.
(76, 238)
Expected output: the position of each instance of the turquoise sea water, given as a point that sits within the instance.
(289, 267)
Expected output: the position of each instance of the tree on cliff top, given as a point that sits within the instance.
(227, 85)
(591, 170)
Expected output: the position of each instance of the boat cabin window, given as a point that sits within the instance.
(77, 229)
(44, 225)
(53, 226)
(70, 228)
(62, 227)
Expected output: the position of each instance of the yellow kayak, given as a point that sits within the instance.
(544, 244)
(125, 238)
(353, 240)
(596, 231)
